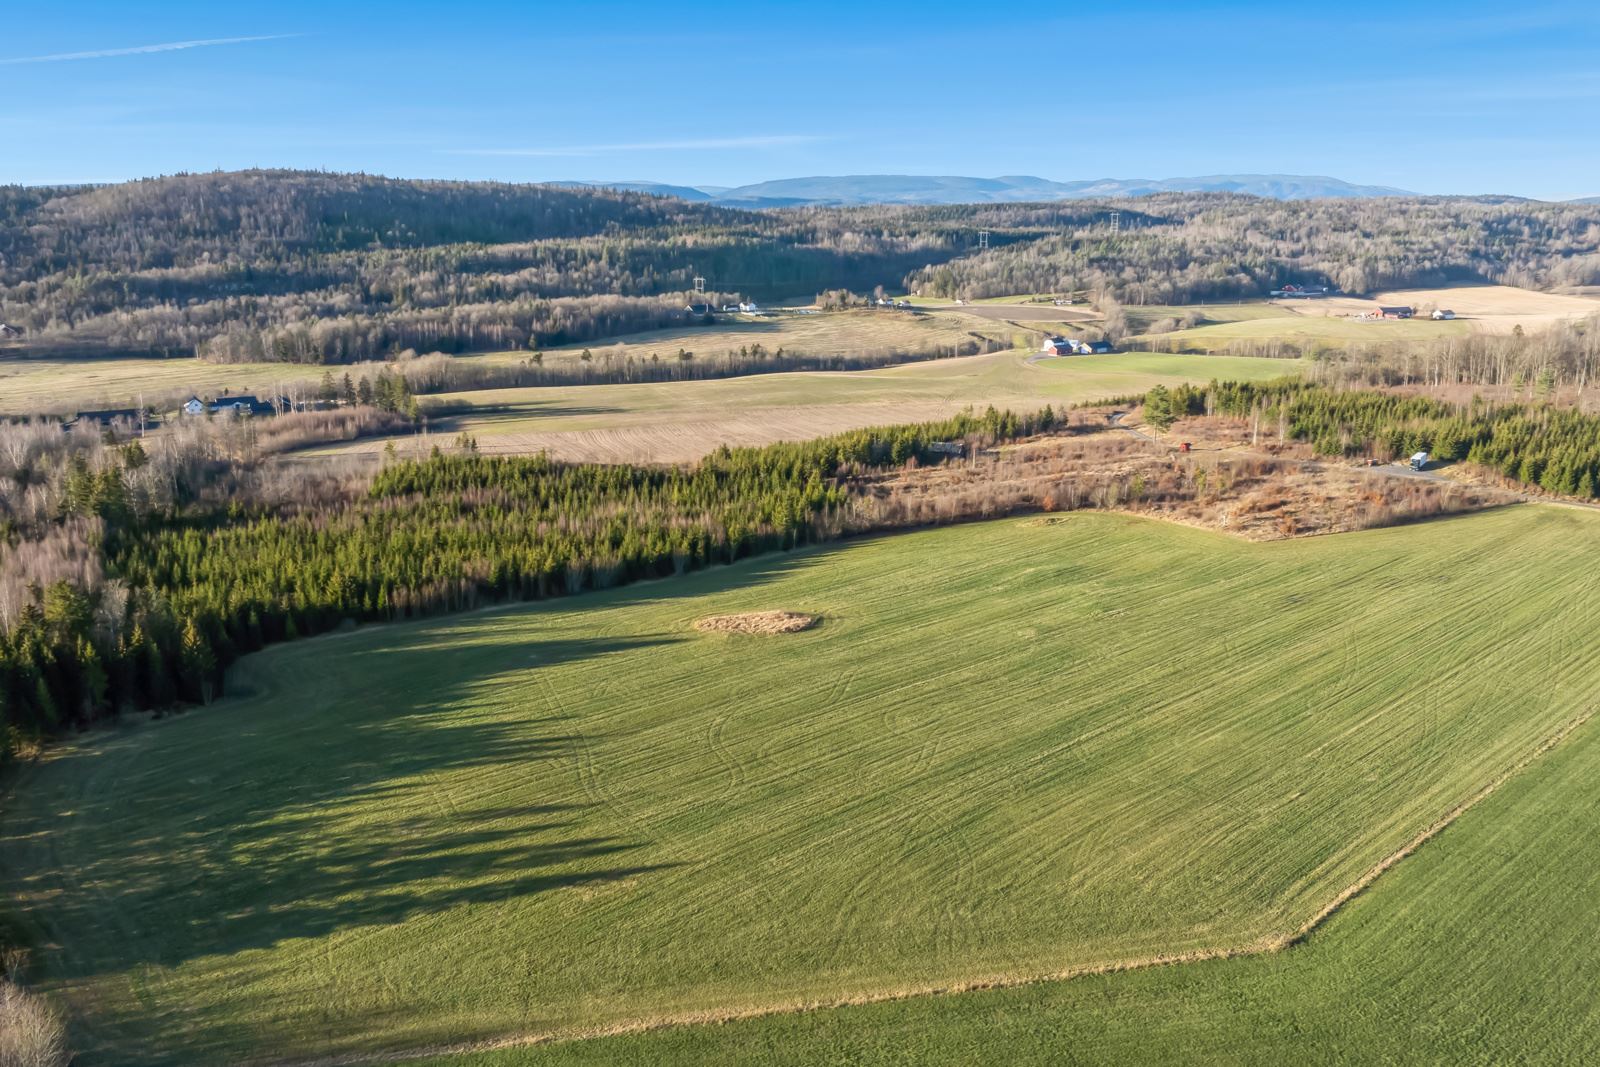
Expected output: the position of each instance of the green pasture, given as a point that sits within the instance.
(1480, 948)
(1009, 749)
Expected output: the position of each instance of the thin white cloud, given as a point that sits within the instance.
(143, 49)
(764, 141)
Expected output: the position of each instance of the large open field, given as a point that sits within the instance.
(861, 333)
(1073, 745)
(1310, 322)
(676, 421)
(50, 386)
(1479, 948)
(1486, 308)
(34, 385)
(1496, 309)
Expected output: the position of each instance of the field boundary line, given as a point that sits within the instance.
(1265, 946)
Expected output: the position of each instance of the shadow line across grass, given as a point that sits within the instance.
(1265, 946)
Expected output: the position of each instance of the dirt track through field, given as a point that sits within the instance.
(1264, 946)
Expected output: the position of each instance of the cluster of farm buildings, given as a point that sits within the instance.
(1319, 292)
(224, 406)
(1072, 346)
(1382, 312)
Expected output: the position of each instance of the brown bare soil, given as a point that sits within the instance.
(1254, 495)
(757, 622)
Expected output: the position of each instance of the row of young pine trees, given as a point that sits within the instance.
(195, 587)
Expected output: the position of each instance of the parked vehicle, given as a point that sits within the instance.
(1420, 461)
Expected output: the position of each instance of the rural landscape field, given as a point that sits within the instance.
(802, 604)
(632, 820)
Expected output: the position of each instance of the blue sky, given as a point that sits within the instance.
(1459, 98)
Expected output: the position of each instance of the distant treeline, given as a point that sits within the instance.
(1539, 445)
(327, 268)
(127, 598)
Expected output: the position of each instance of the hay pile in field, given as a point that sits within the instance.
(757, 622)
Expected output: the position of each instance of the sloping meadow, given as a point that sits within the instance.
(1006, 750)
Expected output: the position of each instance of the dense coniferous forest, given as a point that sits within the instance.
(328, 268)
(131, 579)
(132, 591)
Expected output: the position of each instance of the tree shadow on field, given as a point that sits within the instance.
(445, 415)
(335, 803)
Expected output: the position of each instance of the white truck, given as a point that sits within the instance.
(1420, 461)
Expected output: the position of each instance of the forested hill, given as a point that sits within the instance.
(325, 268)
(185, 219)
(314, 267)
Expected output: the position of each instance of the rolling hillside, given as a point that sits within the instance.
(560, 819)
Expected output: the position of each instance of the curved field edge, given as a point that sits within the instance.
(1032, 746)
(1474, 950)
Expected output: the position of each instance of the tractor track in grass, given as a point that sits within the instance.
(1262, 946)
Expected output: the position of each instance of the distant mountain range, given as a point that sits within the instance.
(925, 189)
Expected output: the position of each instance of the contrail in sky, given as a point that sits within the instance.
(143, 49)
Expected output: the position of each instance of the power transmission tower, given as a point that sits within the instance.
(983, 239)
(1116, 222)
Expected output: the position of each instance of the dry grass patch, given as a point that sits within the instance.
(757, 622)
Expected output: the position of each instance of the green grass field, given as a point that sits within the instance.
(1010, 749)
(1481, 948)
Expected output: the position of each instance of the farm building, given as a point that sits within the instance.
(1443, 314)
(1395, 312)
(194, 406)
(106, 416)
(246, 405)
(1301, 292)
(1065, 346)
(699, 309)
(8, 331)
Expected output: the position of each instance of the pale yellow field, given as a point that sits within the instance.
(871, 332)
(52, 386)
(680, 421)
(49, 386)
(1487, 308)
